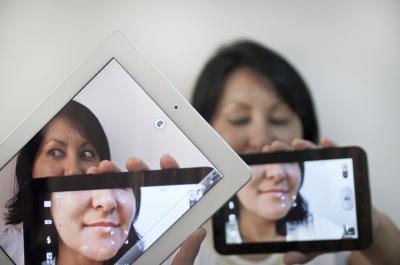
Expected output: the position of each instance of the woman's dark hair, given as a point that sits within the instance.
(287, 82)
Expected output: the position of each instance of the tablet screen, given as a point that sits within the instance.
(111, 118)
(304, 201)
(63, 216)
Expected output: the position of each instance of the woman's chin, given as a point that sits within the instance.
(274, 213)
(100, 252)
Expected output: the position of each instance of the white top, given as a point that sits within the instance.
(314, 227)
(12, 242)
(208, 255)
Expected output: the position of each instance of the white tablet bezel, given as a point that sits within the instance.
(235, 172)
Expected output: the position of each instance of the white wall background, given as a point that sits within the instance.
(348, 51)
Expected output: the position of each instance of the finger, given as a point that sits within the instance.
(301, 144)
(92, 170)
(326, 142)
(134, 164)
(107, 166)
(298, 257)
(190, 248)
(266, 148)
(167, 161)
(277, 146)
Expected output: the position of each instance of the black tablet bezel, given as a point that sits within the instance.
(113, 180)
(362, 198)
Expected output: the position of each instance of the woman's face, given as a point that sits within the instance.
(64, 151)
(272, 190)
(250, 113)
(93, 223)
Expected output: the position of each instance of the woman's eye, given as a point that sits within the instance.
(88, 154)
(239, 121)
(54, 152)
(279, 121)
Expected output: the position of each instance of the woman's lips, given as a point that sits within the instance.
(102, 224)
(103, 227)
(275, 192)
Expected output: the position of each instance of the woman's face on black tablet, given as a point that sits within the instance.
(64, 151)
(271, 191)
(93, 223)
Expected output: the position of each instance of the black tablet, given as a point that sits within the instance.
(311, 200)
(113, 216)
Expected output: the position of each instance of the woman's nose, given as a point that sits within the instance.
(103, 200)
(72, 166)
(275, 172)
(259, 136)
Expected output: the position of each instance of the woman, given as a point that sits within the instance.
(259, 103)
(73, 143)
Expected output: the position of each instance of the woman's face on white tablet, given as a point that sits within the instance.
(271, 191)
(64, 151)
(250, 114)
(95, 223)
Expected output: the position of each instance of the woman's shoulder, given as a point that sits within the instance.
(12, 242)
(313, 227)
(11, 234)
(208, 255)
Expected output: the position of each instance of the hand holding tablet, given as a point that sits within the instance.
(310, 200)
(114, 106)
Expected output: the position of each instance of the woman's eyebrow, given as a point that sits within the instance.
(277, 105)
(238, 103)
(85, 144)
(55, 140)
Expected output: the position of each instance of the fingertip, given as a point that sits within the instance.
(277, 146)
(327, 142)
(167, 161)
(131, 162)
(201, 233)
(297, 143)
(92, 170)
(135, 164)
(301, 144)
(107, 166)
(266, 148)
(190, 247)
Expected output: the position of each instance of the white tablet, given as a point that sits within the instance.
(116, 105)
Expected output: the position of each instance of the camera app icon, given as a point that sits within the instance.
(159, 124)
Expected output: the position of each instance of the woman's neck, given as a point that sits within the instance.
(68, 256)
(254, 228)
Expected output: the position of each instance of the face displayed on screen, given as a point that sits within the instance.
(271, 191)
(92, 224)
(64, 150)
(282, 202)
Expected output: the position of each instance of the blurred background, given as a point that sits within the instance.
(347, 51)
